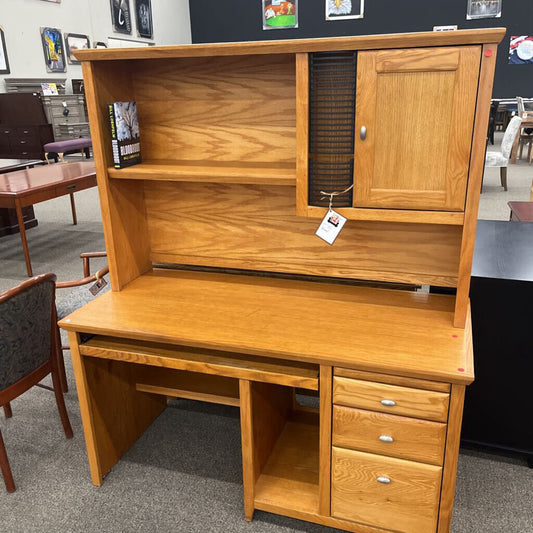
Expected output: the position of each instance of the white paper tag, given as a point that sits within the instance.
(330, 227)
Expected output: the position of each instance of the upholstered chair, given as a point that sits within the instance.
(29, 350)
(501, 159)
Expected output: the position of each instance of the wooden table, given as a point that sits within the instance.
(26, 187)
(521, 211)
(8, 217)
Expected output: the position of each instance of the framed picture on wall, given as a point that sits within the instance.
(143, 16)
(73, 42)
(521, 50)
(121, 16)
(280, 14)
(54, 52)
(344, 9)
(4, 61)
(483, 9)
(99, 44)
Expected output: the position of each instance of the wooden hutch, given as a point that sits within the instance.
(222, 292)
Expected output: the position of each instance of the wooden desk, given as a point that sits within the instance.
(8, 217)
(27, 187)
(521, 211)
(248, 341)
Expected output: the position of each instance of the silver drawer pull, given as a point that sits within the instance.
(362, 133)
(388, 403)
(383, 479)
(386, 438)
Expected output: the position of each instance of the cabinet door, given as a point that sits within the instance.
(417, 106)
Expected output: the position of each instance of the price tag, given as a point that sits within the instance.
(98, 286)
(331, 226)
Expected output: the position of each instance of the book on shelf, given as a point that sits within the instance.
(125, 135)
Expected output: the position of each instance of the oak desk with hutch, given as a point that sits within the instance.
(238, 142)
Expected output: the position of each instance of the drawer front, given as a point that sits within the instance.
(395, 436)
(391, 399)
(30, 135)
(384, 492)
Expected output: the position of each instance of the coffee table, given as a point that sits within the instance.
(31, 186)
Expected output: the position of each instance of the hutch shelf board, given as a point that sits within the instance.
(223, 293)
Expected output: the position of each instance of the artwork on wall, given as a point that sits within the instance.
(280, 14)
(4, 61)
(73, 42)
(521, 50)
(54, 54)
(99, 44)
(121, 16)
(483, 9)
(143, 15)
(55, 1)
(344, 9)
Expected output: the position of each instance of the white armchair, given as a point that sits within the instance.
(501, 159)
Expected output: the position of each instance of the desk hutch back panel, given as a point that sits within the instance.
(242, 144)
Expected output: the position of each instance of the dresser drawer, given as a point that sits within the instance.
(392, 435)
(392, 399)
(384, 492)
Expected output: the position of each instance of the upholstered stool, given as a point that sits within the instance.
(61, 148)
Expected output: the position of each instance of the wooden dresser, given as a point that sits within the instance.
(223, 293)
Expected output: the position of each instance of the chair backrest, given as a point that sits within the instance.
(520, 105)
(510, 135)
(27, 312)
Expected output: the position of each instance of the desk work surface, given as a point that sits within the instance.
(399, 332)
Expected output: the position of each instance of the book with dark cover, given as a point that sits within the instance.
(125, 137)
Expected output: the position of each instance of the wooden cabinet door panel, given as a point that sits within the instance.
(417, 106)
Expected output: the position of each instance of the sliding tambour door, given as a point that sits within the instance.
(413, 127)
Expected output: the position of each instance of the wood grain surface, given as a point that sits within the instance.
(408, 503)
(391, 332)
(417, 403)
(252, 227)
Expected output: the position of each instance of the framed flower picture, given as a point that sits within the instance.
(54, 53)
(73, 42)
(344, 9)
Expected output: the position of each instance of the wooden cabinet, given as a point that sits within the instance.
(242, 145)
(66, 113)
(417, 109)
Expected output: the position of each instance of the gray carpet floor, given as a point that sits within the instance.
(184, 474)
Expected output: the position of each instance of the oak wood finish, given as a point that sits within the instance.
(245, 226)
(418, 108)
(413, 439)
(302, 132)
(417, 403)
(479, 143)
(363, 42)
(324, 480)
(409, 502)
(393, 332)
(233, 365)
(392, 380)
(451, 457)
(247, 442)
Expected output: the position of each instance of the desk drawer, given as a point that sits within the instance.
(392, 399)
(81, 184)
(396, 436)
(384, 492)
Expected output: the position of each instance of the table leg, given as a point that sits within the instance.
(22, 231)
(73, 207)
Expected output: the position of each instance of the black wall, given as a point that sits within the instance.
(240, 20)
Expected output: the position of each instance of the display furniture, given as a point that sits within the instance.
(221, 291)
(66, 113)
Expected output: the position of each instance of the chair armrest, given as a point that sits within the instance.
(86, 256)
(83, 281)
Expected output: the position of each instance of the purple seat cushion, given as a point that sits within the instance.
(61, 147)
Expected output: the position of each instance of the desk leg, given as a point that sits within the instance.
(113, 412)
(22, 230)
(73, 208)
